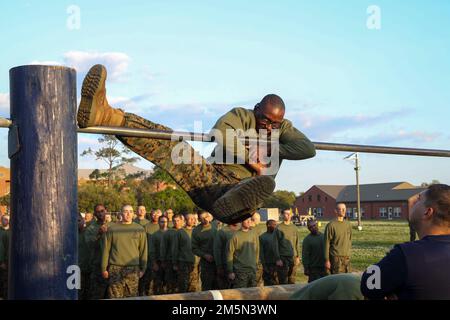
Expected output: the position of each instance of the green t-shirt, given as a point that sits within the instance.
(260, 229)
(124, 245)
(343, 286)
(243, 251)
(293, 145)
(142, 222)
(287, 241)
(93, 243)
(150, 229)
(203, 240)
(220, 245)
(182, 246)
(267, 249)
(155, 245)
(337, 239)
(167, 243)
(313, 251)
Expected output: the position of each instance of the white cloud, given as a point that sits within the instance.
(115, 62)
(4, 103)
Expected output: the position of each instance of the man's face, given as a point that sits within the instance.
(340, 210)
(256, 219)
(169, 214)
(268, 117)
(5, 221)
(127, 214)
(178, 222)
(313, 228)
(141, 212)
(287, 215)
(246, 224)
(205, 219)
(418, 210)
(155, 215)
(163, 222)
(190, 220)
(271, 226)
(100, 213)
(88, 217)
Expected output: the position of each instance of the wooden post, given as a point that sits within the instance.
(280, 292)
(43, 153)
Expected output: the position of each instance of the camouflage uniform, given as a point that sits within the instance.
(202, 245)
(123, 281)
(204, 182)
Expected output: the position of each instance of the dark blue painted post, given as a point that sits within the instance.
(43, 152)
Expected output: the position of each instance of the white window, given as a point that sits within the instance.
(383, 212)
(319, 212)
(397, 212)
(349, 212)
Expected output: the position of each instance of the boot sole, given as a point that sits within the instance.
(239, 203)
(92, 84)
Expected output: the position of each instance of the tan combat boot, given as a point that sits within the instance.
(94, 109)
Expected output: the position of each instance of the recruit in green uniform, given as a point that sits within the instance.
(203, 246)
(243, 256)
(338, 242)
(220, 253)
(230, 191)
(124, 256)
(313, 253)
(287, 249)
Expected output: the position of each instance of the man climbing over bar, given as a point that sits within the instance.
(230, 191)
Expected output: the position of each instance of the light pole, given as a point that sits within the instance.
(358, 200)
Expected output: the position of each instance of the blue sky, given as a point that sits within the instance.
(176, 62)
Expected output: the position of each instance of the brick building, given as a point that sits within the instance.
(378, 201)
(5, 185)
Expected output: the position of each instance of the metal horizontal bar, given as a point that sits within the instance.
(204, 137)
(165, 135)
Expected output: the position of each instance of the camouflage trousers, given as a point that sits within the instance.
(187, 277)
(208, 275)
(4, 282)
(123, 282)
(287, 273)
(270, 274)
(203, 182)
(170, 277)
(222, 279)
(244, 279)
(159, 282)
(259, 275)
(316, 273)
(98, 286)
(340, 264)
(145, 283)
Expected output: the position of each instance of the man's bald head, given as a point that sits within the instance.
(269, 113)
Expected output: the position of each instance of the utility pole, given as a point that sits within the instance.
(354, 156)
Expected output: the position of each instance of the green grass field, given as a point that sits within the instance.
(369, 245)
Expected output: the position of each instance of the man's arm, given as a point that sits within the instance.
(217, 249)
(305, 254)
(106, 248)
(231, 247)
(233, 120)
(393, 273)
(294, 145)
(326, 241)
(143, 251)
